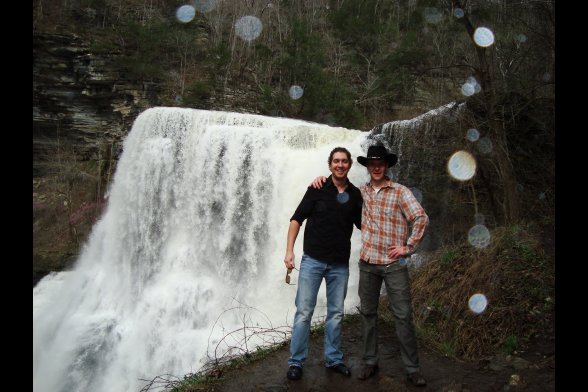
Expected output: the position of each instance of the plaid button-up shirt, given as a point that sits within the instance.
(384, 221)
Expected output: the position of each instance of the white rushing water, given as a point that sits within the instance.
(189, 250)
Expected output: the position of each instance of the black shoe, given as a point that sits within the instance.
(294, 373)
(341, 368)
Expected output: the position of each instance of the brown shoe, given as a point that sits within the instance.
(417, 379)
(366, 371)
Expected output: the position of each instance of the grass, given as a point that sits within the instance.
(448, 348)
(449, 256)
(513, 273)
(510, 344)
(212, 373)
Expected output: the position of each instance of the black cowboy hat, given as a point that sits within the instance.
(378, 152)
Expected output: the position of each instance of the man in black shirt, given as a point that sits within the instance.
(331, 212)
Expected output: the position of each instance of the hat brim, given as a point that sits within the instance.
(391, 159)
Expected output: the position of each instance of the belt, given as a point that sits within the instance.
(383, 265)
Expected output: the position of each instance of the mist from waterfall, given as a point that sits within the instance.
(189, 250)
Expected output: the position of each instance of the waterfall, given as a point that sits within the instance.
(189, 250)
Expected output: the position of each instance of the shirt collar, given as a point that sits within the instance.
(330, 181)
(388, 184)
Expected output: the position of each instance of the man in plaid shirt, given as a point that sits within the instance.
(388, 209)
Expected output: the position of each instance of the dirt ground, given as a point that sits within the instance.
(531, 369)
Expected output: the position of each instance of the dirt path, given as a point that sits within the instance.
(530, 370)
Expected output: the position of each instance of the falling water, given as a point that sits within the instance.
(189, 250)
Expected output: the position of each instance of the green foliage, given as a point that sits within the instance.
(188, 381)
(136, 67)
(324, 100)
(525, 248)
(103, 46)
(219, 56)
(304, 54)
(416, 21)
(437, 340)
(143, 46)
(449, 256)
(329, 102)
(207, 378)
(398, 70)
(365, 25)
(263, 52)
(434, 304)
(274, 102)
(510, 344)
(448, 348)
(197, 92)
(317, 328)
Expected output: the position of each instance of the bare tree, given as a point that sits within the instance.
(497, 131)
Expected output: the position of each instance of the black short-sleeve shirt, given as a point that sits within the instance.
(331, 216)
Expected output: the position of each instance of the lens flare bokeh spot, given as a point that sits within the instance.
(295, 91)
(248, 27)
(473, 134)
(462, 165)
(478, 303)
(467, 89)
(485, 145)
(483, 37)
(185, 13)
(343, 197)
(479, 236)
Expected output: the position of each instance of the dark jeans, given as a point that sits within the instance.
(395, 277)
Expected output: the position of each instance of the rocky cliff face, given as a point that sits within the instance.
(80, 99)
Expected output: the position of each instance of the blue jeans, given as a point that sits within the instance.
(310, 278)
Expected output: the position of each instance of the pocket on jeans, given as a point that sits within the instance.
(363, 266)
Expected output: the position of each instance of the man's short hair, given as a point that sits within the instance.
(340, 149)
